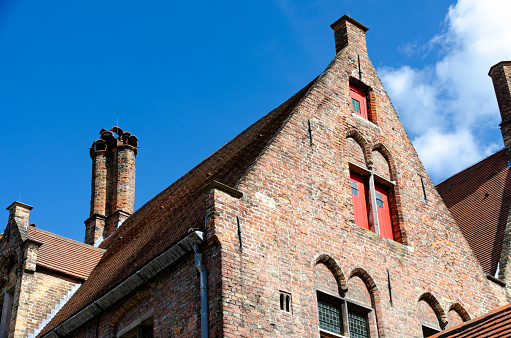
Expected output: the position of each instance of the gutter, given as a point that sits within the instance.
(151, 269)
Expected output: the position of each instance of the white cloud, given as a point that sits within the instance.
(445, 106)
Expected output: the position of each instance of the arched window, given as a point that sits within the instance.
(372, 190)
(340, 312)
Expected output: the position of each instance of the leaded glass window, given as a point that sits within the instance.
(358, 325)
(329, 317)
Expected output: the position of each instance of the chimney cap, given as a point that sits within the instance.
(501, 63)
(19, 204)
(351, 20)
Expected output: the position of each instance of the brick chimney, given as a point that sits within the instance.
(348, 31)
(501, 76)
(113, 183)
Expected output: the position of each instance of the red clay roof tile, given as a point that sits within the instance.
(496, 324)
(479, 198)
(65, 255)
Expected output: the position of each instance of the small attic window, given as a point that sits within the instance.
(285, 301)
(358, 102)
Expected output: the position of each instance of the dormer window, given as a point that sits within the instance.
(358, 102)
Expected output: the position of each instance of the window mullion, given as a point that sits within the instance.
(372, 204)
(344, 318)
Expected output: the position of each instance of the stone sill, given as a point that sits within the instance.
(331, 334)
(365, 121)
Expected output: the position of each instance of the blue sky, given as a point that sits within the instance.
(186, 78)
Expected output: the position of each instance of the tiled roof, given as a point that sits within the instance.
(166, 218)
(496, 324)
(479, 199)
(65, 255)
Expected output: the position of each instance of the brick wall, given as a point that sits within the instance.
(37, 293)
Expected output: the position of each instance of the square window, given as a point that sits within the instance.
(343, 317)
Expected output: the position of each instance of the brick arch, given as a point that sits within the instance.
(380, 147)
(460, 310)
(375, 297)
(127, 305)
(429, 299)
(397, 214)
(336, 270)
(357, 136)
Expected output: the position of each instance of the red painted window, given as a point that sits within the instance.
(382, 204)
(358, 195)
(358, 102)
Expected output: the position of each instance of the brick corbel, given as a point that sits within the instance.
(30, 249)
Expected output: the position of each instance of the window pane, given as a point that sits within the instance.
(358, 325)
(379, 200)
(354, 190)
(329, 317)
(356, 106)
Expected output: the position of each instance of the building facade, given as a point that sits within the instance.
(319, 220)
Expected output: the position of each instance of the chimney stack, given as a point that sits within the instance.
(501, 76)
(348, 31)
(20, 213)
(113, 183)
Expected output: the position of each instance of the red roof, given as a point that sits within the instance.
(479, 198)
(166, 219)
(65, 255)
(496, 324)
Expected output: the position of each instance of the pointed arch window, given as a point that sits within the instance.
(372, 202)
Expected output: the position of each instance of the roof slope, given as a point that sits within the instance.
(495, 324)
(479, 198)
(166, 218)
(65, 255)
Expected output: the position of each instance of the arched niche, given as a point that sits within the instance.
(456, 315)
(355, 152)
(328, 276)
(358, 292)
(138, 310)
(381, 166)
(431, 315)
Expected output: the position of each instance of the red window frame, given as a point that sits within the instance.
(358, 195)
(358, 95)
(383, 207)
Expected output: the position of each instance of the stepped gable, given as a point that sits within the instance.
(166, 218)
(475, 196)
(496, 324)
(65, 255)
